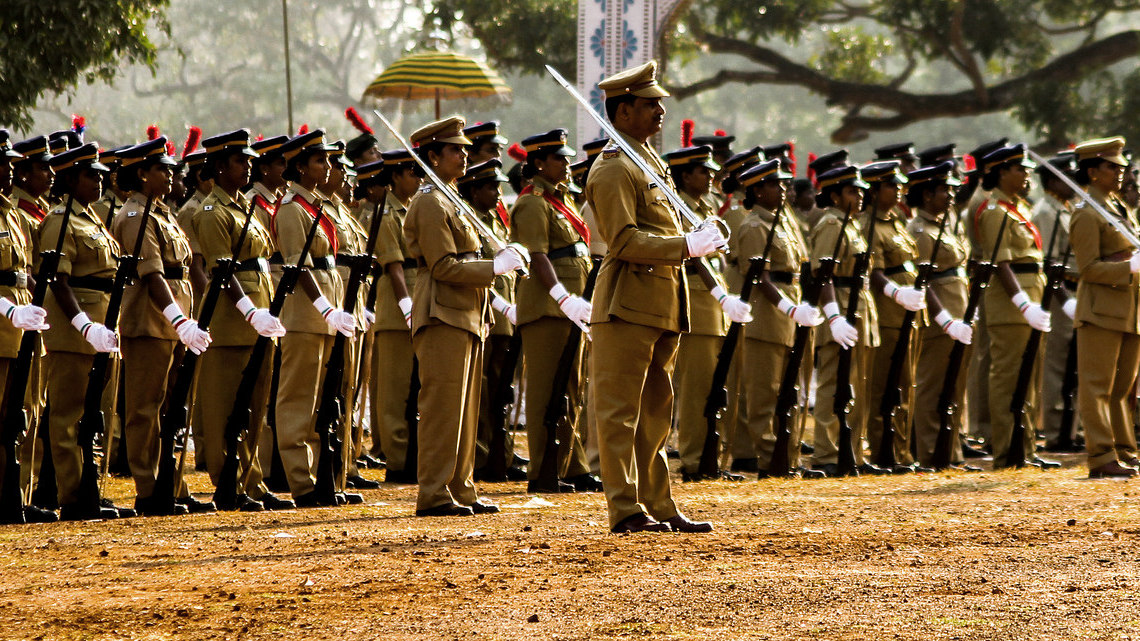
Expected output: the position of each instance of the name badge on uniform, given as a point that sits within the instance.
(130, 214)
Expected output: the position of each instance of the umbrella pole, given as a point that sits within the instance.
(437, 115)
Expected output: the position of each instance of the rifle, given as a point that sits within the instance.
(238, 422)
(501, 398)
(558, 407)
(331, 410)
(412, 417)
(15, 422)
(980, 280)
(1054, 274)
(892, 393)
(717, 400)
(175, 418)
(92, 423)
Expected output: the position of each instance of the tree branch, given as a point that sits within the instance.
(970, 64)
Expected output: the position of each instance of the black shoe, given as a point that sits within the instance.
(1066, 448)
(725, 475)
(1044, 464)
(33, 514)
(482, 507)
(351, 498)
(762, 474)
(403, 477)
(310, 499)
(963, 467)
(370, 462)
(922, 469)
(539, 487)
(585, 483)
(272, 502)
(898, 468)
(361, 483)
(808, 473)
(123, 512)
(447, 509)
(969, 451)
(873, 470)
(195, 506)
(516, 473)
(806, 449)
(77, 512)
(245, 504)
(518, 461)
(746, 465)
(639, 523)
(691, 477)
(275, 485)
(151, 506)
(829, 470)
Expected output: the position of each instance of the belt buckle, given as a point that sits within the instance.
(262, 264)
(908, 266)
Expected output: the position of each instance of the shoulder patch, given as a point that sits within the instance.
(611, 152)
(132, 214)
(287, 199)
(207, 208)
(427, 188)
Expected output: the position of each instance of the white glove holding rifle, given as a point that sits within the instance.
(264, 323)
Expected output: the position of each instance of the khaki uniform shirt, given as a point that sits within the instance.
(1046, 213)
(598, 245)
(1108, 294)
(391, 248)
(734, 216)
(218, 226)
(785, 256)
(32, 211)
(291, 225)
(185, 218)
(893, 249)
(538, 226)
(641, 280)
(165, 248)
(453, 289)
(504, 283)
(265, 204)
(706, 316)
(102, 207)
(1018, 247)
(353, 241)
(822, 242)
(88, 250)
(948, 273)
(15, 257)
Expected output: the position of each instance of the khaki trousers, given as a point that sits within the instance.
(931, 373)
(451, 366)
(880, 367)
(148, 365)
(542, 343)
(1007, 345)
(692, 380)
(303, 360)
(29, 456)
(978, 376)
(346, 431)
(826, 423)
(219, 373)
(764, 364)
(494, 353)
(1108, 361)
(631, 367)
(390, 381)
(1056, 345)
(67, 376)
(359, 400)
(735, 433)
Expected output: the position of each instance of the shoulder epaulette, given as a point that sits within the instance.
(287, 199)
(611, 151)
(427, 188)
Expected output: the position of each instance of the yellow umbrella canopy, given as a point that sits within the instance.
(439, 76)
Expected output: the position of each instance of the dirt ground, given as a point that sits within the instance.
(1010, 555)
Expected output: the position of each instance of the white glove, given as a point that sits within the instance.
(575, 308)
(803, 314)
(704, 241)
(501, 305)
(1134, 263)
(910, 298)
(369, 319)
(337, 319)
(97, 334)
(192, 336)
(508, 260)
(26, 317)
(841, 331)
(1070, 307)
(955, 328)
(737, 310)
(264, 323)
(1037, 318)
(405, 305)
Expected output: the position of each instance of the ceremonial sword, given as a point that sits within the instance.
(1109, 218)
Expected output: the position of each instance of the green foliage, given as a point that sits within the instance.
(521, 34)
(853, 55)
(48, 46)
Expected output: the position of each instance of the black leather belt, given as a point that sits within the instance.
(784, 278)
(410, 263)
(14, 279)
(898, 269)
(1025, 268)
(95, 283)
(175, 272)
(948, 273)
(345, 260)
(324, 262)
(577, 250)
(276, 259)
(847, 281)
(1070, 285)
(258, 264)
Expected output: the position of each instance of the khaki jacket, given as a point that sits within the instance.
(32, 211)
(352, 240)
(185, 217)
(1108, 294)
(265, 202)
(504, 283)
(641, 279)
(88, 250)
(1018, 247)
(1046, 213)
(948, 274)
(15, 255)
(453, 289)
(822, 242)
(291, 225)
(218, 225)
(165, 248)
(892, 249)
(706, 316)
(391, 248)
(538, 226)
(787, 254)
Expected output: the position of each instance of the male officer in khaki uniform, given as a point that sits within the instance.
(641, 306)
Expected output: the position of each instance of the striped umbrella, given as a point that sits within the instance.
(438, 75)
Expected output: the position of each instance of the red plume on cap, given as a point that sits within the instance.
(792, 155)
(169, 148)
(260, 137)
(810, 171)
(687, 127)
(78, 124)
(720, 132)
(517, 152)
(192, 140)
(357, 121)
(303, 130)
(152, 132)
